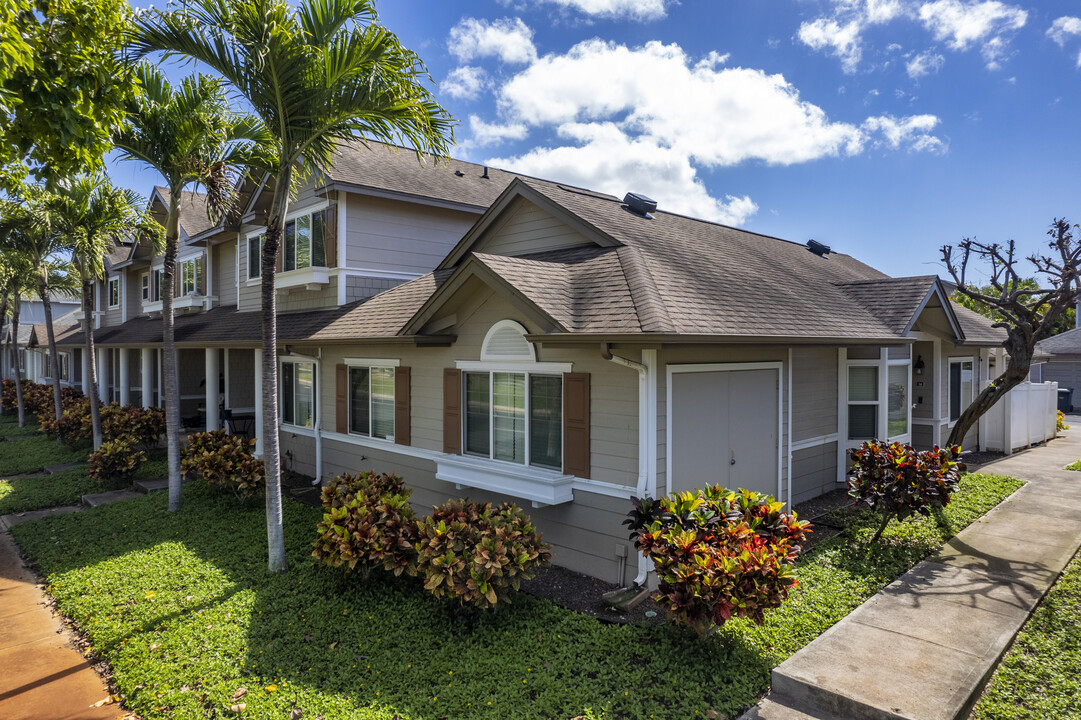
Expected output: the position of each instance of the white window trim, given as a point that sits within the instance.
(371, 362)
(303, 429)
(537, 368)
(883, 363)
(907, 435)
(144, 285)
(109, 292)
(181, 266)
(307, 210)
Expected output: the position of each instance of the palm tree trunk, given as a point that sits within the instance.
(276, 561)
(91, 380)
(15, 359)
(54, 359)
(168, 351)
(3, 320)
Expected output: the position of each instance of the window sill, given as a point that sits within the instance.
(542, 487)
(313, 278)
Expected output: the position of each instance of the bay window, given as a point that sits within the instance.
(305, 242)
(191, 276)
(297, 393)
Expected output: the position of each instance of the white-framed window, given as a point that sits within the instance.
(255, 255)
(897, 398)
(304, 243)
(297, 393)
(371, 400)
(144, 287)
(65, 366)
(114, 292)
(862, 401)
(191, 276)
(46, 364)
(514, 417)
(962, 382)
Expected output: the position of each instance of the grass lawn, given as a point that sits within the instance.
(185, 612)
(9, 425)
(1040, 677)
(65, 488)
(34, 453)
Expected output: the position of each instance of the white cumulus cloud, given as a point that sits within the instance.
(486, 133)
(912, 132)
(465, 83)
(1063, 29)
(924, 63)
(843, 41)
(961, 25)
(510, 40)
(639, 10)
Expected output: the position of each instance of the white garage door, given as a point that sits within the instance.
(724, 429)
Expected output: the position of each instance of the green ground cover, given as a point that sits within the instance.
(184, 611)
(1040, 676)
(1075, 465)
(22, 494)
(34, 453)
(9, 426)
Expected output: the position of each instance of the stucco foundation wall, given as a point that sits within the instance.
(814, 472)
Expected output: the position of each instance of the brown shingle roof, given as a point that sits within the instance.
(894, 301)
(193, 210)
(1067, 343)
(391, 169)
(977, 328)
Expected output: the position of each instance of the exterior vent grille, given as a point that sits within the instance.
(640, 204)
(818, 248)
(506, 341)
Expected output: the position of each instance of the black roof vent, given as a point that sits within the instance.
(640, 204)
(459, 173)
(818, 248)
(485, 175)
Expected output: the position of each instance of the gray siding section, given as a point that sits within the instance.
(113, 316)
(224, 273)
(814, 472)
(1067, 373)
(360, 287)
(814, 392)
(398, 237)
(528, 229)
(249, 289)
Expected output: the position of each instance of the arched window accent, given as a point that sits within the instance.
(506, 342)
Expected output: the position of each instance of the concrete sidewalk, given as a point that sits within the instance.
(923, 647)
(44, 677)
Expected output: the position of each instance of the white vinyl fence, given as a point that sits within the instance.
(1025, 417)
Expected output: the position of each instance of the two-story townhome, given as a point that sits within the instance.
(513, 339)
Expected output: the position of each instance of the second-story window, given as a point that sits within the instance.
(305, 242)
(114, 292)
(191, 276)
(156, 285)
(255, 256)
(144, 285)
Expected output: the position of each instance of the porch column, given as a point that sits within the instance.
(86, 372)
(225, 373)
(213, 421)
(258, 402)
(125, 377)
(146, 360)
(103, 374)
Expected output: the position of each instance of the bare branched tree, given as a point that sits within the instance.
(1028, 314)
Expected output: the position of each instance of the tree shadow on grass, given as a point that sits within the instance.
(185, 611)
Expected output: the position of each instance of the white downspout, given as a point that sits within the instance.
(318, 422)
(647, 432)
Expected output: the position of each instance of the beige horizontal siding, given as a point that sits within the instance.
(528, 229)
(394, 236)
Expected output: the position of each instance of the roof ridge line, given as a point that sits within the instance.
(652, 315)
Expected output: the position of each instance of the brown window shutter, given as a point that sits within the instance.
(330, 236)
(452, 411)
(341, 398)
(576, 424)
(402, 421)
(202, 275)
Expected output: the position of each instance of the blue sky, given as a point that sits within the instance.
(884, 128)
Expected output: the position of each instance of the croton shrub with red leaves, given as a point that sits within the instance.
(477, 554)
(897, 481)
(367, 524)
(718, 553)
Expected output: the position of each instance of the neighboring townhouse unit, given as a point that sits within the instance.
(1058, 359)
(32, 312)
(543, 344)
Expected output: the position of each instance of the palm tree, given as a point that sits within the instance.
(189, 135)
(18, 281)
(316, 74)
(94, 216)
(29, 230)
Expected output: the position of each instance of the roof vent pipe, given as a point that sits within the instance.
(819, 249)
(485, 175)
(640, 204)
